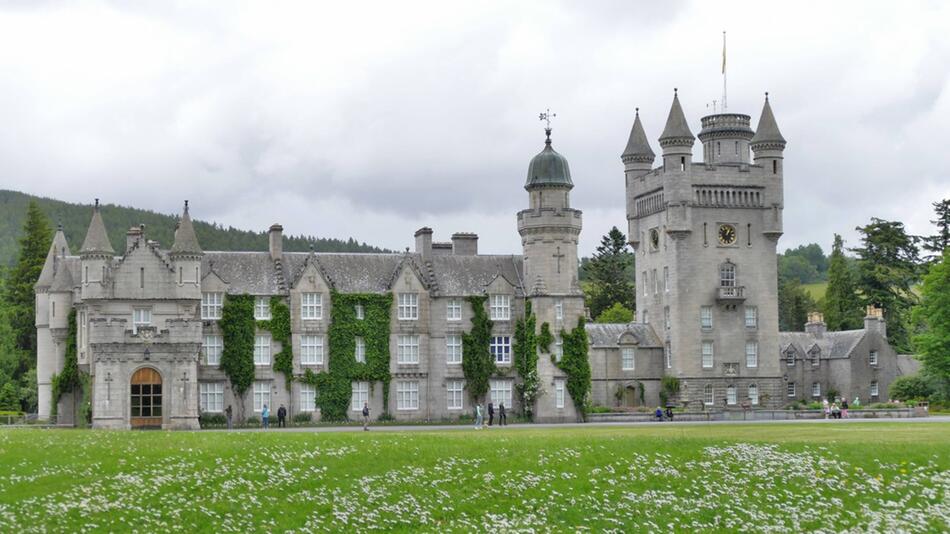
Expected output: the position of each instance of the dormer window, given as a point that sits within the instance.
(790, 358)
(500, 309)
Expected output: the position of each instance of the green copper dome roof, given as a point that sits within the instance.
(548, 168)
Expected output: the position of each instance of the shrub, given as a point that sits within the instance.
(253, 421)
(303, 417)
(385, 416)
(211, 420)
(910, 387)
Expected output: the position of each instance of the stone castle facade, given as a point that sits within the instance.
(705, 235)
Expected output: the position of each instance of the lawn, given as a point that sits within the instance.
(776, 477)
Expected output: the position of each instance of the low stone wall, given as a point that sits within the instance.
(753, 415)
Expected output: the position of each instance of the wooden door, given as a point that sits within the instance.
(146, 399)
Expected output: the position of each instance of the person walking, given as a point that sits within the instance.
(366, 416)
(265, 416)
(478, 417)
(844, 408)
(502, 416)
(491, 413)
(281, 416)
(227, 414)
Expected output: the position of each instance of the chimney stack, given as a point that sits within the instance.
(874, 321)
(464, 244)
(276, 241)
(132, 238)
(816, 324)
(424, 242)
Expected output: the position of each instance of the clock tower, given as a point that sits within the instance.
(705, 235)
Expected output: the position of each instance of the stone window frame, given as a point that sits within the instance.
(706, 312)
(709, 395)
(454, 395)
(559, 395)
(753, 393)
(317, 343)
(141, 316)
(359, 349)
(407, 395)
(311, 306)
(728, 274)
(754, 344)
(262, 359)
(211, 401)
(261, 392)
(500, 392)
(453, 309)
(732, 395)
(752, 317)
(407, 349)
(211, 304)
(499, 308)
(711, 354)
(816, 390)
(628, 354)
(453, 349)
(359, 394)
(790, 389)
(873, 358)
(875, 388)
(407, 307)
(218, 345)
(500, 348)
(262, 308)
(307, 398)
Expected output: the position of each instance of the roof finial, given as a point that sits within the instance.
(186, 205)
(638, 112)
(59, 226)
(97, 203)
(546, 116)
(766, 96)
(675, 90)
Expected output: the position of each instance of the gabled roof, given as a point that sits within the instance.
(97, 239)
(832, 344)
(186, 242)
(767, 130)
(606, 335)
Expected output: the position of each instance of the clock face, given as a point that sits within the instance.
(727, 234)
(654, 239)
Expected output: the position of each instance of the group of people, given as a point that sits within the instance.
(479, 418)
(835, 411)
(660, 415)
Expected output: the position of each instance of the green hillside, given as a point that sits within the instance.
(816, 290)
(159, 227)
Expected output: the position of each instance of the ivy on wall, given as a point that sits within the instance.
(70, 377)
(478, 364)
(545, 338)
(334, 385)
(279, 328)
(526, 360)
(576, 366)
(237, 330)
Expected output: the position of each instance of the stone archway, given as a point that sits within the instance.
(146, 397)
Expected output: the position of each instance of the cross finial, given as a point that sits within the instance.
(546, 116)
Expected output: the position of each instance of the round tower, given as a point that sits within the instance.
(637, 160)
(768, 143)
(725, 138)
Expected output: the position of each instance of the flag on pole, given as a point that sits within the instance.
(723, 52)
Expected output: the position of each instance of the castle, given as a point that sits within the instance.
(147, 320)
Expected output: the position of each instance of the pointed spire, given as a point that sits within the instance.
(638, 147)
(97, 240)
(676, 131)
(58, 249)
(767, 130)
(63, 279)
(186, 242)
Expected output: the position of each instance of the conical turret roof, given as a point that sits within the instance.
(62, 280)
(186, 242)
(638, 147)
(97, 240)
(59, 247)
(548, 168)
(767, 130)
(676, 127)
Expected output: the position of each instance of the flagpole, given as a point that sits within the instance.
(724, 71)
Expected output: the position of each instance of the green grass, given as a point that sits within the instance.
(816, 290)
(786, 477)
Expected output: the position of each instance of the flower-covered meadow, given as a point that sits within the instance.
(883, 477)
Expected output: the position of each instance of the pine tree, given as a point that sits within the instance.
(887, 268)
(19, 297)
(933, 343)
(939, 242)
(794, 303)
(842, 307)
(610, 273)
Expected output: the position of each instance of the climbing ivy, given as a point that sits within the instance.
(279, 327)
(237, 329)
(545, 338)
(478, 364)
(70, 377)
(334, 385)
(526, 360)
(576, 365)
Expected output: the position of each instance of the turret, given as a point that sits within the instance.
(725, 138)
(768, 143)
(185, 255)
(637, 160)
(676, 139)
(96, 256)
(54, 292)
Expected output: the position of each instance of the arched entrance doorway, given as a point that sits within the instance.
(146, 399)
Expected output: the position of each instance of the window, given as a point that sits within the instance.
(872, 357)
(262, 308)
(211, 396)
(666, 318)
(708, 395)
(501, 392)
(360, 312)
(646, 291)
(311, 350)
(501, 349)
(408, 306)
(559, 309)
(212, 347)
(360, 395)
(705, 317)
(141, 317)
(656, 282)
(261, 350)
(261, 396)
(558, 348)
(308, 397)
(753, 394)
(707, 354)
(752, 353)
(790, 389)
(682, 163)
(211, 305)
(627, 361)
(453, 310)
(727, 275)
(814, 355)
(360, 351)
(500, 309)
(668, 355)
(666, 279)
(874, 388)
(141, 276)
(311, 306)
(751, 317)
(453, 350)
(407, 349)
(453, 390)
(731, 395)
(790, 358)
(646, 317)
(816, 389)
(559, 393)
(407, 395)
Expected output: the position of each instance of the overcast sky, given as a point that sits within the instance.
(344, 119)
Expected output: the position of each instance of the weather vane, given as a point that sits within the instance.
(546, 117)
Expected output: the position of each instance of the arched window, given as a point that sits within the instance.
(727, 275)
(708, 395)
(731, 395)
